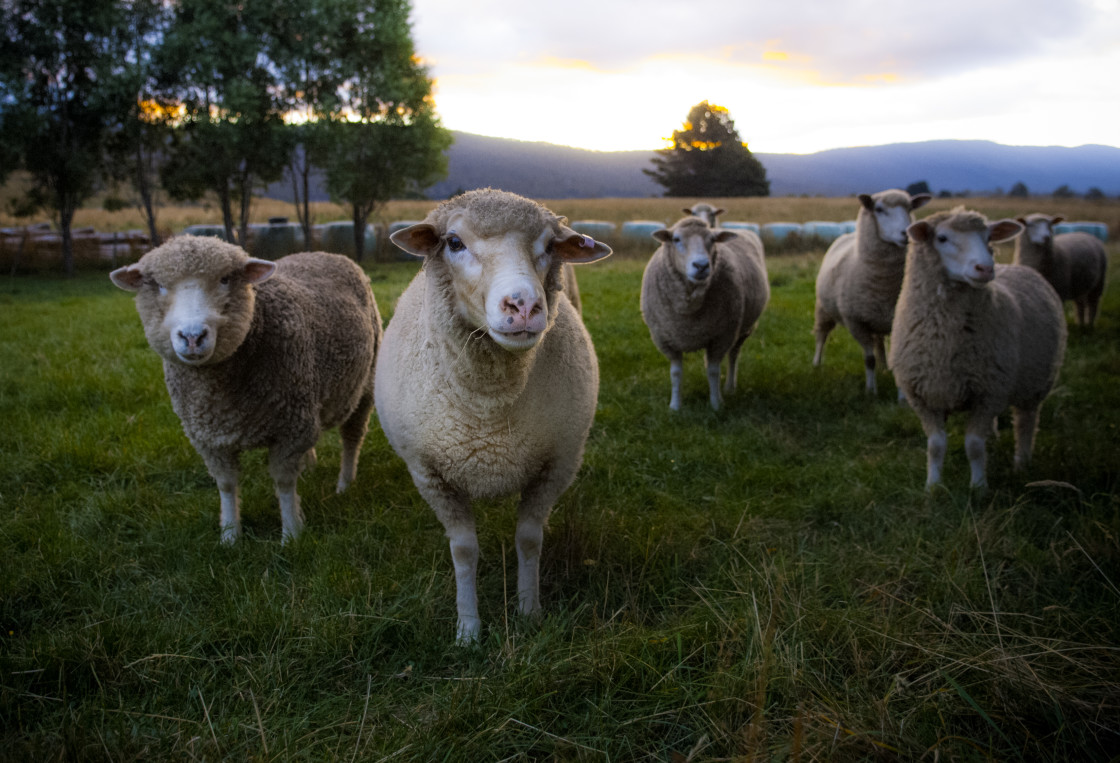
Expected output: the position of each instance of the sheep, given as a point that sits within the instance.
(861, 273)
(703, 289)
(705, 212)
(1073, 263)
(260, 354)
(973, 336)
(487, 381)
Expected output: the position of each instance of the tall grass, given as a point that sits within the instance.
(766, 582)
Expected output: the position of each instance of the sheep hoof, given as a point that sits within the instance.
(230, 535)
(468, 632)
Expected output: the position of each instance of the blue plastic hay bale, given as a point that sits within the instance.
(217, 231)
(597, 229)
(779, 232)
(848, 226)
(276, 240)
(1100, 230)
(641, 230)
(823, 230)
(755, 227)
(338, 238)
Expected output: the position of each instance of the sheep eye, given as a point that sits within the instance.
(455, 244)
(942, 238)
(676, 239)
(224, 281)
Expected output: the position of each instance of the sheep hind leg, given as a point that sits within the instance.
(822, 330)
(937, 441)
(353, 433)
(1025, 422)
(732, 379)
(676, 371)
(714, 395)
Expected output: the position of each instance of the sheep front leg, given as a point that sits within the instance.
(454, 513)
(225, 468)
(937, 441)
(285, 469)
(676, 371)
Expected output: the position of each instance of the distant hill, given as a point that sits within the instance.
(548, 171)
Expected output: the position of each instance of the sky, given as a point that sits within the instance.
(798, 76)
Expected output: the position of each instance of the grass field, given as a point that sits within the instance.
(766, 583)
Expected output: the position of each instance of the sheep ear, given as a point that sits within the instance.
(723, 234)
(128, 278)
(577, 248)
(920, 200)
(920, 231)
(1056, 219)
(420, 240)
(1022, 221)
(258, 271)
(867, 202)
(687, 211)
(662, 235)
(719, 211)
(1003, 230)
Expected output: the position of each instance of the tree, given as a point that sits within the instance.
(140, 132)
(1094, 194)
(920, 186)
(55, 70)
(386, 140)
(1063, 192)
(708, 158)
(1019, 191)
(218, 61)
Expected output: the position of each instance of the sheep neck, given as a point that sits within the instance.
(686, 297)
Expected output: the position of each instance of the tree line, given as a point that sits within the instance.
(192, 97)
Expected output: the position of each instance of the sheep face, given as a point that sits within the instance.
(705, 212)
(1040, 228)
(964, 245)
(194, 314)
(691, 247)
(501, 278)
(891, 211)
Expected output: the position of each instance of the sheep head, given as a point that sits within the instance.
(195, 297)
(503, 253)
(690, 245)
(962, 240)
(706, 212)
(1040, 228)
(891, 211)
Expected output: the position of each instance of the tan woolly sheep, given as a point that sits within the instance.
(260, 354)
(861, 274)
(703, 289)
(1073, 263)
(973, 336)
(487, 381)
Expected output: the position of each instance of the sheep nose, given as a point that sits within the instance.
(517, 306)
(193, 338)
(984, 272)
(700, 268)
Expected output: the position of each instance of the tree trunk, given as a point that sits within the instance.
(65, 219)
(227, 210)
(144, 188)
(361, 213)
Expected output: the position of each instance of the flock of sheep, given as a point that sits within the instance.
(486, 380)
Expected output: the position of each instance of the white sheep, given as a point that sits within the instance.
(260, 354)
(705, 212)
(861, 274)
(973, 336)
(487, 381)
(1073, 263)
(703, 289)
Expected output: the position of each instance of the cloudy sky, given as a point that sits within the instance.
(797, 75)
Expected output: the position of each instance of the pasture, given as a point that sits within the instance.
(770, 582)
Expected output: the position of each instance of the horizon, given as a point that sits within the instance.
(619, 77)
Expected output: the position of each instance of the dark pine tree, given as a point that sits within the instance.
(709, 159)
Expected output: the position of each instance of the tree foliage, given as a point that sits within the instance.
(708, 158)
(1019, 190)
(917, 187)
(56, 70)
